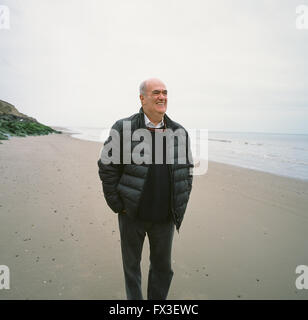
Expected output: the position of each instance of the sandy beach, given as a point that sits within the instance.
(243, 234)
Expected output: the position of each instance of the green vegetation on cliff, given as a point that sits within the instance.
(14, 123)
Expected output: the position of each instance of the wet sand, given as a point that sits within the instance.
(243, 234)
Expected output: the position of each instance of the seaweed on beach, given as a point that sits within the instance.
(11, 125)
(14, 123)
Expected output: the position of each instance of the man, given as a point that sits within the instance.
(150, 198)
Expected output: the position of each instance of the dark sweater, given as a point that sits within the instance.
(155, 200)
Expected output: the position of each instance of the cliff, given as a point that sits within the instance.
(15, 123)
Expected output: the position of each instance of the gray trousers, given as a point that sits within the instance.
(160, 236)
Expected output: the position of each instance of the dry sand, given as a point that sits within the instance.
(243, 235)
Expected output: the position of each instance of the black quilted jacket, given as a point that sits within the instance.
(123, 183)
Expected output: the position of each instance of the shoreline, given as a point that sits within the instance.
(67, 131)
(243, 234)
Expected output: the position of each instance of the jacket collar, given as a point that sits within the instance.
(167, 120)
(150, 124)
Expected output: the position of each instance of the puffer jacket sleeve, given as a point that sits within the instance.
(110, 175)
(191, 165)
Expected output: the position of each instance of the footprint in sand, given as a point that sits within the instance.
(45, 281)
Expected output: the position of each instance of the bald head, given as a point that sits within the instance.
(153, 97)
(147, 83)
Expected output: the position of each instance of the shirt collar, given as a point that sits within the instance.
(148, 122)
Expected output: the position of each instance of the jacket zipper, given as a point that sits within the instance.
(143, 189)
(171, 196)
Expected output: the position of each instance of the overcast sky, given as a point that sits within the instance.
(236, 65)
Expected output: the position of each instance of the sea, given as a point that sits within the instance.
(280, 154)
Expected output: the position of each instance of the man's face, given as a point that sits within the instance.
(155, 100)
